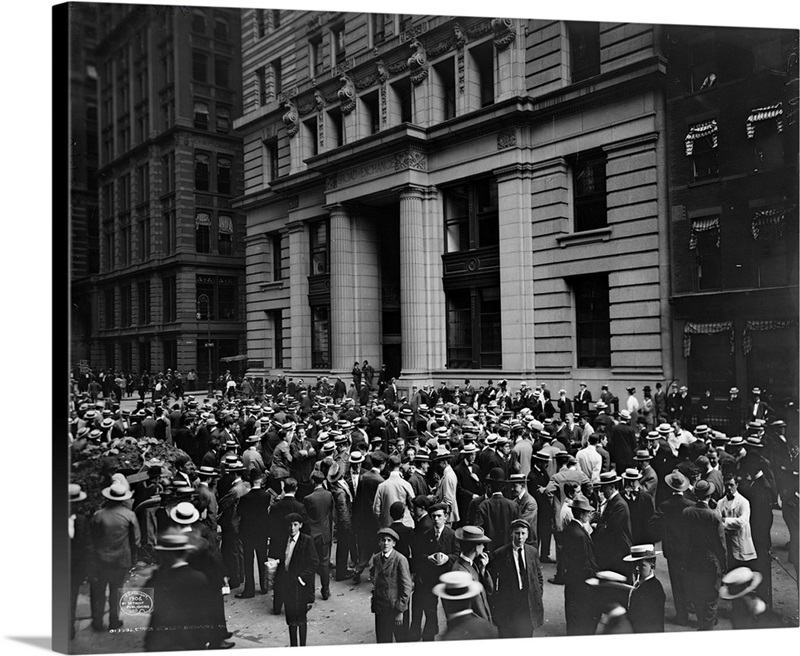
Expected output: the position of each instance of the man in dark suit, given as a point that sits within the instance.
(517, 581)
(364, 520)
(579, 566)
(468, 479)
(496, 513)
(622, 443)
(582, 399)
(391, 592)
(253, 509)
(457, 590)
(437, 550)
(667, 525)
(295, 576)
(612, 533)
(646, 601)
(319, 508)
(527, 508)
(489, 459)
(538, 480)
(473, 560)
(706, 556)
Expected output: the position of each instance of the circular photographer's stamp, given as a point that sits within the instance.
(136, 602)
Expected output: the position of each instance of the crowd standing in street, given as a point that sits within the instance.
(284, 481)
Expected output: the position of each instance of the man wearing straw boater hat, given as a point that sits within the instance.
(748, 611)
(646, 602)
(516, 577)
(457, 591)
(612, 534)
(115, 538)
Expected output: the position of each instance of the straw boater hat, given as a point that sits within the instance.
(609, 579)
(664, 429)
(624, 414)
(642, 454)
(541, 457)
(632, 475)
(456, 586)
(173, 542)
(739, 582)
(472, 534)
(609, 478)
(75, 493)
(117, 492)
(329, 447)
(184, 513)
(517, 478)
(470, 447)
(641, 552)
(356, 457)
(207, 471)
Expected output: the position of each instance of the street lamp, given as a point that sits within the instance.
(209, 344)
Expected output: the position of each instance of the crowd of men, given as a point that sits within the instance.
(420, 492)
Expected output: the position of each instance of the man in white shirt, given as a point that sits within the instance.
(589, 460)
(735, 512)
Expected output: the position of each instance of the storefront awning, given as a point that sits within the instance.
(707, 129)
(764, 114)
(750, 326)
(234, 358)
(692, 328)
(770, 224)
(202, 219)
(709, 225)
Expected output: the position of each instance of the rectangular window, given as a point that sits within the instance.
(199, 66)
(277, 338)
(224, 175)
(315, 55)
(202, 168)
(108, 201)
(483, 56)
(124, 193)
(311, 137)
(277, 77)
(144, 239)
(276, 18)
(225, 235)
(199, 21)
(270, 160)
(445, 71)
(337, 125)
(125, 354)
(206, 300)
(143, 294)
(584, 49)
(125, 245)
(221, 28)
(261, 22)
(168, 172)
(276, 242)
(701, 145)
(705, 244)
(319, 247)
(459, 330)
(109, 308)
(377, 29)
(711, 365)
(143, 182)
(223, 119)
(169, 295)
(170, 354)
(203, 232)
(403, 94)
(338, 50)
(592, 321)
(589, 190)
(261, 86)
(108, 250)
(169, 232)
(371, 104)
(473, 328)
(471, 215)
(110, 355)
(222, 72)
(144, 356)
(168, 113)
(227, 297)
(201, 115)
(142, 126)
(320, 337)
(125, 305)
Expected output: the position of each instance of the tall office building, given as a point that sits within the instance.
(171, 270)
(455, 198)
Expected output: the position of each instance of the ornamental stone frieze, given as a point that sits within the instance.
(418, 63)
(506, 138)
(411, 159)
(504, 33)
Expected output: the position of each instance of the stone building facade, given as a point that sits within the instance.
(455, 198)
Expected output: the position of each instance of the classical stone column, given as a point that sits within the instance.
(516, 267)
(299, 311)
(414, 309)
(343, 284)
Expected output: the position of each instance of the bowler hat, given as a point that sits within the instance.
(497, 475)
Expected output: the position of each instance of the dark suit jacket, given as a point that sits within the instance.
(319, 507)
(646, 607)
(468, 627)
(667, 525)
(304, 564)
(368, 484)
(278, 530)
(528, 509)
(480, 603)
(391, 579)
(506, 597)
(612, 536)
(427, 572)
(705, 540)
(494, 517)
(253, 512)
(577, 551)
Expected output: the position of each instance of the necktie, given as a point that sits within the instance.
(289, 551)
(522, 573)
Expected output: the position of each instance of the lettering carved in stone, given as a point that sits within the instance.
(460, 64)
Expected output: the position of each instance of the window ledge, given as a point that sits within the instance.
(584, 237)
(273, 285)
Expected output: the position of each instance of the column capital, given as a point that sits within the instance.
(519, 170)
(337, 208)
(414, 191)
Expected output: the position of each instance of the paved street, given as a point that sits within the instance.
(346, 619)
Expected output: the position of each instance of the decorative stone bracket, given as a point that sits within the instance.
(418, 63)
(290, 118)
(504, 33)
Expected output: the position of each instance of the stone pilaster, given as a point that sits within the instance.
(509, 44)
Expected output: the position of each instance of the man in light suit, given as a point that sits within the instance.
(391, 592)
(517, 580)
(394, 488)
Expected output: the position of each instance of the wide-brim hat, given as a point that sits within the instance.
(677, 481)
(76, 493)
(335, 472)
(754, 442)
(664, 429)
(702, 429)
(441, 454)
(456, 586)
(237, 466)
(581, 503)
(641, 552)
(254, 439)
(472, 534)
(517, 478)
(608, 478)
(173, 542)
(117, 492)
(624, 414)
(739, 582)
(541, 457)
(491, 439)
(632, 475)
(756, 390)
(609, 579)
(184, 513)
(703, 489)
(328, 447)
(469, 447)
(600, 405)
(108, 422)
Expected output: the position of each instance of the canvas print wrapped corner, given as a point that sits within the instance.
(398, 328)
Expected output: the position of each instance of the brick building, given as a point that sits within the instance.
(455, 197)
(171, 270)
(733, 180)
